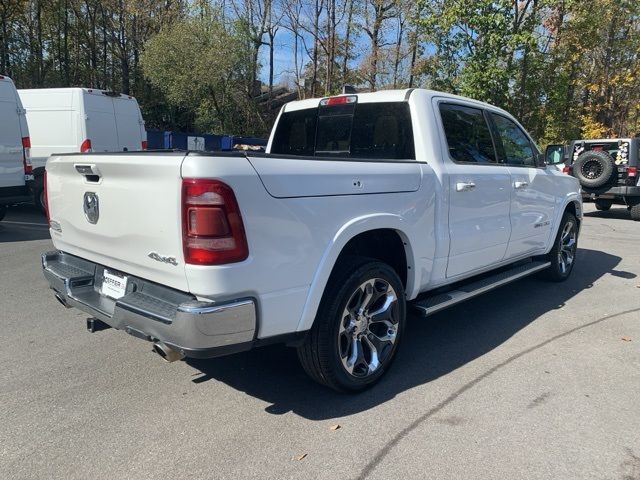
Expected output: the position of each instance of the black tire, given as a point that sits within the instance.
(603, 205)
(38, 194)
(635, 212)
(559, 271)
(594, 169)
(334, 331)
(3, 211)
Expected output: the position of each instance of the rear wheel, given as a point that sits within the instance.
(603, 205)
(563, 254)
(635, 212)
(358, 327)
(3, 211)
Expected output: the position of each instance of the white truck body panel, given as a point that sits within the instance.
(295, 177)
(60, 119)
(13, 128)
(299, 213)
(139, 212)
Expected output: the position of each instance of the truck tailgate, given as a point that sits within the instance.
(136, 227)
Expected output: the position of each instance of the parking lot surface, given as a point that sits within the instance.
(534, 380)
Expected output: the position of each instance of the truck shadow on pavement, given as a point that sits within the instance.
(432, 347)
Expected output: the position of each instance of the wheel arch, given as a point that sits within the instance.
(381, 237)
(573, 205)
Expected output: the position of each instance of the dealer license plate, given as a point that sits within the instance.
(114, 285)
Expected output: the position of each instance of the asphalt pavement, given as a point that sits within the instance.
(535, 380)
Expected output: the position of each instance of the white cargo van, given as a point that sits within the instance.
(15, 165)
(63, 120)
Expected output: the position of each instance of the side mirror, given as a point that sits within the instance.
(540, 160)
(554, 154)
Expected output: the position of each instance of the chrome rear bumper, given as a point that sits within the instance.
(154, 312)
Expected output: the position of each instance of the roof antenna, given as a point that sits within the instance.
(348, 89)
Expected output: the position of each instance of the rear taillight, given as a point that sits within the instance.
(26, 155)
(632, 171)
(212, 229)
(144, 145)
(566, 169)
(45, 194)
(85, 147)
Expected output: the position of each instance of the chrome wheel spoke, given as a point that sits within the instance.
(383, 341)
(570, 244)
(569, 257)
(367, 298)
(354, 304)
(385, 311)
(374, 360)
(355, 357)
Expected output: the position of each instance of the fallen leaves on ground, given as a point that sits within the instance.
(626, 339)
(334, 427)
(301, 457)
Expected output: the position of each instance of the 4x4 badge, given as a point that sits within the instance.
(163, 258)
(91, 207)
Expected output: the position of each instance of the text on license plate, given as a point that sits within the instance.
(114, 285)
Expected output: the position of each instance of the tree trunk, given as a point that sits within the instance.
(347, 47)
(316, 45)
(396, 63)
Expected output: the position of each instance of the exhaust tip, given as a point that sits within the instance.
(167, 353)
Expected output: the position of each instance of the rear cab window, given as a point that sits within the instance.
(380, 130)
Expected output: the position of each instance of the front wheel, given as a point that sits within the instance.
(563, 254)
(603, 205)
(358, 327)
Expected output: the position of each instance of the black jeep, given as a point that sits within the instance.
(606, 169)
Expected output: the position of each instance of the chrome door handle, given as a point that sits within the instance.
(520, 185)
(465, 186)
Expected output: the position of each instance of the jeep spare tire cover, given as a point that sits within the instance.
(594, 169)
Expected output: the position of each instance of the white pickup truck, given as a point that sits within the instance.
(362, 207)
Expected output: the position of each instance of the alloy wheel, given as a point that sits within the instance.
(368, 328)
(567, 250)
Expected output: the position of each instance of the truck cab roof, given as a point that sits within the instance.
(400, 95)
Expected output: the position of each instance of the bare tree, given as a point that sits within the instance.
(254, 16)
(377, 12)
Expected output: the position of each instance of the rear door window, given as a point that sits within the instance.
(468, 135)
(370, 130)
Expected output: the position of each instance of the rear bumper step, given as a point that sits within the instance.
(434, 303)
(154, 312)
